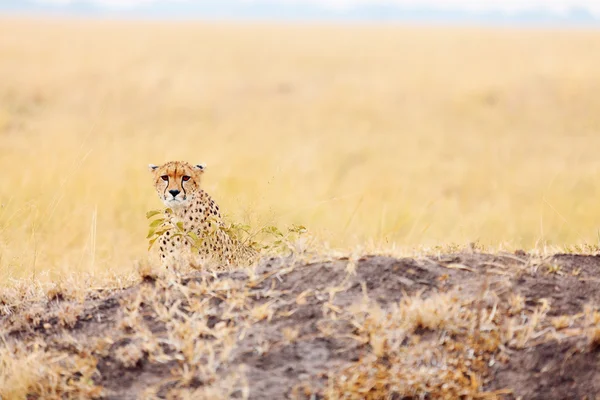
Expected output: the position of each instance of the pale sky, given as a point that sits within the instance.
(506, 6)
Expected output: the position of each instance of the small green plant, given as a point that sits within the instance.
(277, 241)
(269, 238)
(159, 226)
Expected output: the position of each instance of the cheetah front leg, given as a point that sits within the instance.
(174, 251)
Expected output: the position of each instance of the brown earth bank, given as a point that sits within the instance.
(465, 325)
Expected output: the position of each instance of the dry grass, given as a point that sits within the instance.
(400, 364)
(385, 137)
(304, 330)
(33, 371)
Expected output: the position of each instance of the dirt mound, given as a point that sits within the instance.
(459, 325)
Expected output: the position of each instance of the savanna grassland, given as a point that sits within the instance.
(383, 137)
(383, 141)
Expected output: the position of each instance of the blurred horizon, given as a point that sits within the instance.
(528, 12)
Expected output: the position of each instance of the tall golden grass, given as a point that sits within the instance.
(377, 136)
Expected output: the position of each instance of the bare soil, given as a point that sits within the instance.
(305, 340)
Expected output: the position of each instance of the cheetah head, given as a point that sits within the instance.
(177, 182)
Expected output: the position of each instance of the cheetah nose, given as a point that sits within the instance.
(174, 192)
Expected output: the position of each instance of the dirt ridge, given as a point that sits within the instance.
(290, 328)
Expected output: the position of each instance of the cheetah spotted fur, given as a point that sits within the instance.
(178, 186)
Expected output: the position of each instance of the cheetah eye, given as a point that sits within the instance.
(185, 178)
(165, 177)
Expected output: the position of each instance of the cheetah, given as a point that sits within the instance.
(178, 186)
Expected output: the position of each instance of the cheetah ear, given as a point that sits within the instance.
(200, 167)
(152, 167)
